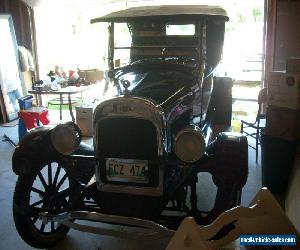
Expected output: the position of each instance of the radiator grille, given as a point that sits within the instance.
(128, 138)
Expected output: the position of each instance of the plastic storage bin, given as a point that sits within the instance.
(25, 102)
(34, 118)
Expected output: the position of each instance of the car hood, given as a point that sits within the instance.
(158, 79)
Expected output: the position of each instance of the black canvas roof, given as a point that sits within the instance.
(162, 11)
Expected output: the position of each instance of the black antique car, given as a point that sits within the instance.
(150, 140)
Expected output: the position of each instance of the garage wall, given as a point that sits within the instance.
(283, 41)
(282, 33)
(23, 20)
(287, 40)
(24, 25)
(292, 203)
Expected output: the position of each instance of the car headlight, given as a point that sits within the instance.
(66, 138)
(189, 144)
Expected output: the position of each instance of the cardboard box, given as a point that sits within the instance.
(283, 123)
(84, 118)
(284, 90)
(92, 75)
(293, 65)
(117, 63)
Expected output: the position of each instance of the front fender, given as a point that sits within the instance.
(230, 151)
(36, 149)
(32, 150)
(229, 170)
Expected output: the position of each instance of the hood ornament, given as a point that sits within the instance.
(126, 85)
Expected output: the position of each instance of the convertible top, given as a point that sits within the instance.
(162, 11)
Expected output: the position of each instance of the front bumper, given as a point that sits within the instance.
(140, 229)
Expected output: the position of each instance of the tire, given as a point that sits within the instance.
(31, 229)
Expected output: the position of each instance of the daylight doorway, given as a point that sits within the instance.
(243, 56)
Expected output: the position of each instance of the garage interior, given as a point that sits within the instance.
(261, 53)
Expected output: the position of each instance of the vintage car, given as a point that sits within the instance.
(150, 140)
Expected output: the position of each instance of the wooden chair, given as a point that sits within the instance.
(259, 123)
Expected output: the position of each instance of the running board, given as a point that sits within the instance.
(147, 230)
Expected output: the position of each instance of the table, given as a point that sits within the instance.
(71, 90)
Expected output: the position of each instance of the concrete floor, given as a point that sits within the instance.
(9, 238)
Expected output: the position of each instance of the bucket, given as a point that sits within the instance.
(236, 126)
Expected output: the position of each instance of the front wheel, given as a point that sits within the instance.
(45, 189)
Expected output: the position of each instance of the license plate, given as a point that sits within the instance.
(127, 170)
